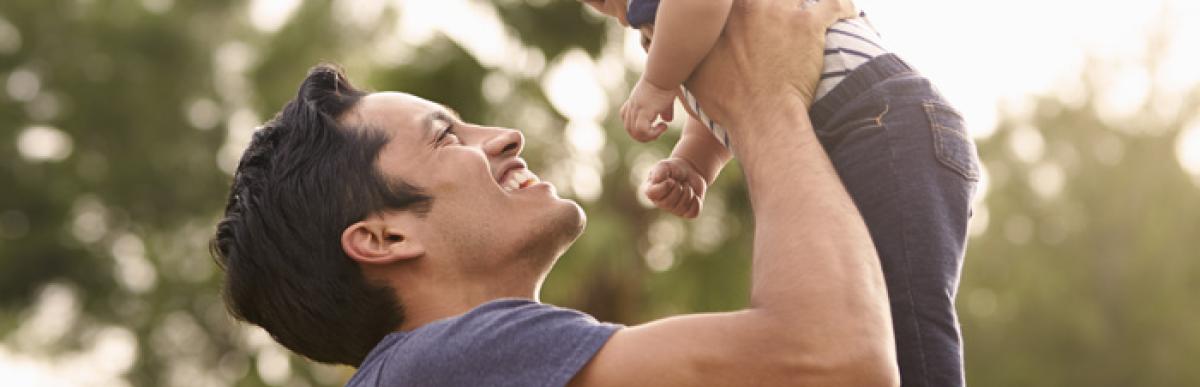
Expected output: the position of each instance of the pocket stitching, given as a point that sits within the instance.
(940, 145)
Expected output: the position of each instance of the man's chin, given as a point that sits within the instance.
(571, 222)
(559, 229)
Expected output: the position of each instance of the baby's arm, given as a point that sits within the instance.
(678, 184)
(684, 32)
(698, 146)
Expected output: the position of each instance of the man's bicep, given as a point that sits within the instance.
(719, 349)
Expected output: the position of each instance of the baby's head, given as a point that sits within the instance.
(614, 8)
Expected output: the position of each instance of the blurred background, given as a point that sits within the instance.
(122, 120)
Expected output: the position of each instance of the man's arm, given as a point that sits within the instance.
(819, 312)
(684, 32)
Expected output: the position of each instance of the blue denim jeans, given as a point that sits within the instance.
(907, 161)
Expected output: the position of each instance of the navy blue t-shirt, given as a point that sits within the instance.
(507, 342)
(641, 12)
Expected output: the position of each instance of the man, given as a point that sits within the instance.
(381, 231)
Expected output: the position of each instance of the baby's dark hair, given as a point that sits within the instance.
(304, 178)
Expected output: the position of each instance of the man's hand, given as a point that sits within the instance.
(773, 52)
(646, 103)
(675, 186)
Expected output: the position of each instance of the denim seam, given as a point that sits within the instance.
(826, 132)
(905, 218)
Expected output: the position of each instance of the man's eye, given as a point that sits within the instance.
(447, 135)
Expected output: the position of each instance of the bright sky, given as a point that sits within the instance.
(981, 54)
(984, 53)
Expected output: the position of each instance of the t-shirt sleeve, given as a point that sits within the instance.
(511, 343)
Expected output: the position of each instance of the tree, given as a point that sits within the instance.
(1084, 274)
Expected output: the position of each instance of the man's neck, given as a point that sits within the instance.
(424, 305)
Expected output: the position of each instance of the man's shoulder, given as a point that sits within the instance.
(507, 341)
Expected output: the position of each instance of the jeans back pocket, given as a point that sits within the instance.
(953, 146)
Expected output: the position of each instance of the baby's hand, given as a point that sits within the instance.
(675, 186)
(645, 103)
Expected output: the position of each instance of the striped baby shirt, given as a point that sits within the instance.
(848, 44)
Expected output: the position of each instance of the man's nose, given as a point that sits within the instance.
(504, 142)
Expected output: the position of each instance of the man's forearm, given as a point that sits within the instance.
(684, 32)
(817, 286)
(803, 213)
(815, 266)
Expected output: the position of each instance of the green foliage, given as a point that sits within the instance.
(1090, 286)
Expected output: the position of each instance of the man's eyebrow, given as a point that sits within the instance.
(453, 112)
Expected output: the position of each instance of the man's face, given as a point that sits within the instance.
(489, 211)
(613, 8)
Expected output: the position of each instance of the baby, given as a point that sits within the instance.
(901, 150)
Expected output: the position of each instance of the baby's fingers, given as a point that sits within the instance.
(686, 197)
(659, 191)
(693, 208)
(658, 130)
(675, 197)
(678, 199)
(643, 125)
(659, 172)
(627, 119)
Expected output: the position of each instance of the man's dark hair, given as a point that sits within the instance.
(304, 178)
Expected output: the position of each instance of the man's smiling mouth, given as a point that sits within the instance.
(518, 178)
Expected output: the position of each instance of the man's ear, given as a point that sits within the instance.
(373, 241)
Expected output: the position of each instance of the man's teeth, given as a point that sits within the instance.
(518, 179)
